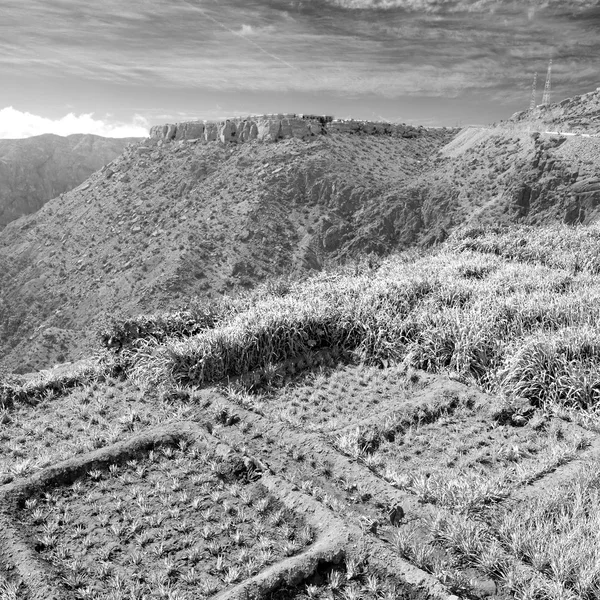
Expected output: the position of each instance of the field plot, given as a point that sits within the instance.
(465, 456)
(178, 521)
(33, 436)
(424, 428)
(333, 397)
(466, 459)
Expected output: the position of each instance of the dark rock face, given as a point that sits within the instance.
(37, 169)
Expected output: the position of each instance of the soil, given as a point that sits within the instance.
(178, 508)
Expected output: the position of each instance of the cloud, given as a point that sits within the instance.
(146, 55)
(457, 6)
(15, 124)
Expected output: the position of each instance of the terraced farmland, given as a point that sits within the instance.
(427, 428)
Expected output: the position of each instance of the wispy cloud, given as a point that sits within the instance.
(15, 124)
(487, 49)
(458, 6)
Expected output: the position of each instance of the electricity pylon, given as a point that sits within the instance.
(533, 90)
(546, 97)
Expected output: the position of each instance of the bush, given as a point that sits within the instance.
(560, 369)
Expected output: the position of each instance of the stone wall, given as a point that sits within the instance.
(270, 128)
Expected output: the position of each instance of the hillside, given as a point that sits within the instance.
(578, 114)
(206, 209)
(169, 220)
(539, 167)
(423, 429)
(36, 169)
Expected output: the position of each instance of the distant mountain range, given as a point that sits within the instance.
(36, 169)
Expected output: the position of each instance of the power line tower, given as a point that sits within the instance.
(546, 97)
(533, 90)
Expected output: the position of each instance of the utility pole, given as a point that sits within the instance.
(533, 90)
(546, 97)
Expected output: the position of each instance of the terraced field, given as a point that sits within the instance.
(424, 429)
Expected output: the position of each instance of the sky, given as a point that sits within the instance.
(117, 67)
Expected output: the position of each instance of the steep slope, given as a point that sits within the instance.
(34, 170)
(572, 115)
(170, 220)
(539, 167)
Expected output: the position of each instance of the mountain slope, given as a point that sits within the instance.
(200, 210)
(166, 221)
(539, 167)
(34, 170)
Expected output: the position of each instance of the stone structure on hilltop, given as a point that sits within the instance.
(270, 128)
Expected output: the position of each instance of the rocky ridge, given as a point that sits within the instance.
(271, 128)
(34, 170)
(167, 221)
(579, 114)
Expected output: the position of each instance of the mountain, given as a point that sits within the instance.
(539, 167)
(205, 209)
(34, 170)
(174, 218)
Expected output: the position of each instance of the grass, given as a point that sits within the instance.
(544, 548)
(176, 522)
(121, 334)
(559, 246)
(481, 318)
(87, 417)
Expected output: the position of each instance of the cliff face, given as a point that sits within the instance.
(270, 128)
(34, 170)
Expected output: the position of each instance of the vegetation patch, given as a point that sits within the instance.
(179, 522)
(561, 246)
(466, 314)
(543, 548)
(87, 417)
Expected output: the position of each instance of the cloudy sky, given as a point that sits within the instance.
(115, 67)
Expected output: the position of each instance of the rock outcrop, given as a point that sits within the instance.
(271, 128)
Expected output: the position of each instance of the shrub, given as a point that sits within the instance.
(559, 369)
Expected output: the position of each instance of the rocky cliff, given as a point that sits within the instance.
(34, 170)
(270, 128)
